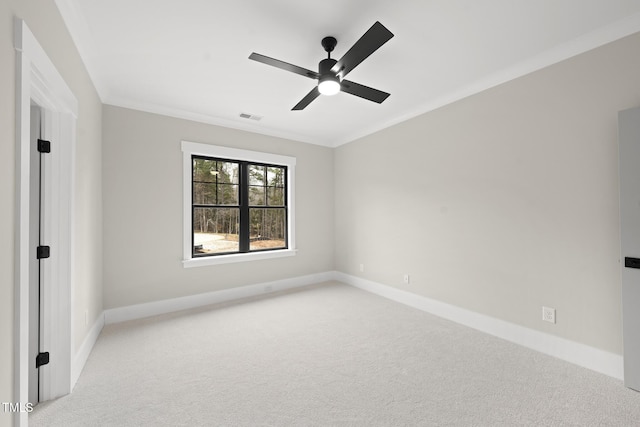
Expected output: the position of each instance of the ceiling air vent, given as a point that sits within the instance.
(250, 116)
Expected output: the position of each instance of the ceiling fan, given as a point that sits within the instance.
(331, 73)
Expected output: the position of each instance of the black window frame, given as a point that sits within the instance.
(244, 207)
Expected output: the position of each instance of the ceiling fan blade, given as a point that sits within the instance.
(307, 99)
(363, 91)
(375, 37)
(284, 65)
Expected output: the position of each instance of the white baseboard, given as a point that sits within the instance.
(83, 353)
(139, 311)
(579, 354)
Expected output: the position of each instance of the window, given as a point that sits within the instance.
(238, 205)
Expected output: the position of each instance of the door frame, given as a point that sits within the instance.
(629, 152)
(38, 82)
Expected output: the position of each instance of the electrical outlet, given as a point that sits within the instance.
(405, 278)
(549, 314)
(361, 268)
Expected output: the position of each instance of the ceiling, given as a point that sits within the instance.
(189, 58)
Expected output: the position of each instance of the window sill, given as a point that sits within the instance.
(231, 258)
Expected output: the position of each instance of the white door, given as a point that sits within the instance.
(37, 278)
(629, 152)
(34, 268)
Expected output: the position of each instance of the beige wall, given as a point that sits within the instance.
(143, 209)
(45, 22)
(502, 202)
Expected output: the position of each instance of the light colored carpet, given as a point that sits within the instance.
(327, 355)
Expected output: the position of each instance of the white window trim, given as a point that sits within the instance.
(195, 148)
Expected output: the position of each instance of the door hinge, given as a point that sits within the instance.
(43, 252)
(42, 359)
(44, 146)
(632, 262)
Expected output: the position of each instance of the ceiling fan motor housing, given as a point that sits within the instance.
(329, 82)
(325, 66)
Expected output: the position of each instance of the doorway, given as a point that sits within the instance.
(38, 84)
(629, 152)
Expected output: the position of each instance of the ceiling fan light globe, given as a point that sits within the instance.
(329, 86)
